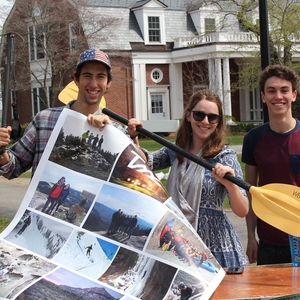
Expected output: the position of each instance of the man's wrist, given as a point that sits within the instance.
(4, 158)
(134, 137)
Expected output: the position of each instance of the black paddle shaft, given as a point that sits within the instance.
(6, 86)
(177, 149)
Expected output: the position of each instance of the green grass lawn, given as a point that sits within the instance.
(26, 175)
(152, 145)
(4, 223)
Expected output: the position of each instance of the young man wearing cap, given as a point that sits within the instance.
(271, 153)
(93, 78)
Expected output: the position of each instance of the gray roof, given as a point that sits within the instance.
(178, 24)
(119, 36)
(143, 2)
(171, 4)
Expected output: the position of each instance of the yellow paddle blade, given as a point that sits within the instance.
(278, 205)
(70, 93)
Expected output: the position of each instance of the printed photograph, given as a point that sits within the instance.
(63, 194)
(131, 171)
(19, 268)
(186, 286)
(39, 234)
(139, 275)
(87, 150)
(175, 209)
(124, 216)
(65, 285)
(173, 241)
(87, 254)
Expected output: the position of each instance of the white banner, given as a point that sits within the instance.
(96, 223)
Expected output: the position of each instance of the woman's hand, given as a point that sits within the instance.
(239, 202)
(132, 125)
(219, 171)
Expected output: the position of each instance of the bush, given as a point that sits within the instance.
(241, 127)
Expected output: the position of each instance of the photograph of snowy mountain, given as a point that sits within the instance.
(139, 275)
(19, 268)
(87, 254)
(39, 234)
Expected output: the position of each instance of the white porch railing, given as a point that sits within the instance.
(216, 37)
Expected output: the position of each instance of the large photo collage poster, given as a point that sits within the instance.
(96, 223)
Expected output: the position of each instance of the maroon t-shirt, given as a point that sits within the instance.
(277, 157)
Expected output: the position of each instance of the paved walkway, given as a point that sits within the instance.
(236, 148)
(12, 193)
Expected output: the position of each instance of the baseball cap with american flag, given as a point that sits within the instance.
(93, 54)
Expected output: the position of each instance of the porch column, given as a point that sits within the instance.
(210, 73)
(176, 91)
(139, 91)
(227, 95)
(218, 86)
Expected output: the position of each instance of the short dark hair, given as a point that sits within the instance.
(79, 68)
(280, 71)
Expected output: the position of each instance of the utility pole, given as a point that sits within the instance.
(264, 44)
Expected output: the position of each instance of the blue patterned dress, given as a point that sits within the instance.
(214, 227)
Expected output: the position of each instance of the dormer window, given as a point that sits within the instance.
(150, 16)
(209, 25)
(155, 33)
(154, 29)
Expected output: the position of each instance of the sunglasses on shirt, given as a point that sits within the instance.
(200, 116)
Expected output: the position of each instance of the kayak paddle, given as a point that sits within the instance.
(277, 204)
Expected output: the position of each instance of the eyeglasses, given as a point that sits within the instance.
(200, 116)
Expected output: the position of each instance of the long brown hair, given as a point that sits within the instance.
(215, 142)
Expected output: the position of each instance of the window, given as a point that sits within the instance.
(255, 106)
(73, 37)
(156, 75)
(154, 29)
(210, 25)
(37, 11)
(37, 37)
(157, 104)
(40, 101)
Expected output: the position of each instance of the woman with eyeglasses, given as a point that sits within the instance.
(199, 192)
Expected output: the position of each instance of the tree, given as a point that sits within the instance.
(195, 76)
(55, 32)
(284, 19)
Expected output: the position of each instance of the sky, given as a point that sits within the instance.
(6, 5)
(5, 2)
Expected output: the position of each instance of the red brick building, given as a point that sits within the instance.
(161, 52)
